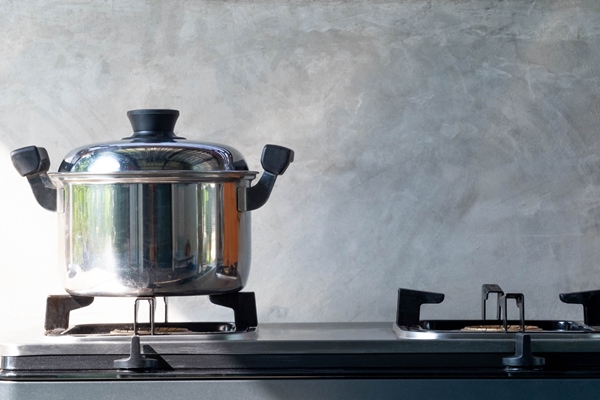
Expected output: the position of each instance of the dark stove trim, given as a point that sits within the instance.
(418, 365)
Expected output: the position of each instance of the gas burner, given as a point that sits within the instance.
(59, 307)
(409, 325)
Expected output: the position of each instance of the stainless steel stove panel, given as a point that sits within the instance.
(416, 332)
(301, 338)
(301, 389)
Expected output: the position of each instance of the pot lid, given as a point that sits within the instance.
(153, 147)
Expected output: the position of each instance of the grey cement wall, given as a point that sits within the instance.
(439, 144)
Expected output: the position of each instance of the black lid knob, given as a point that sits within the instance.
(153, 124)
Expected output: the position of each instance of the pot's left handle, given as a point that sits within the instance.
(33, 163)
(275, 160)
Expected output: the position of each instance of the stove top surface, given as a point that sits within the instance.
(243, 347)
(297, 349)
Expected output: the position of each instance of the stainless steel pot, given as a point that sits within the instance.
(152, 214)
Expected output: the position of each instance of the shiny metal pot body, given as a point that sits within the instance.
(152, 214)
(159, 238)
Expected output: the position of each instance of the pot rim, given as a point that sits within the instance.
(152, 177)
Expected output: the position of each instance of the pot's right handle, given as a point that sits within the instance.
(33, 163)
(275, 160)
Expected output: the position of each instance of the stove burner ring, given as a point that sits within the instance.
(167, 330)
(500, 328)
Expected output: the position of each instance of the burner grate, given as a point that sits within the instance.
(243, 304)
(410, 301)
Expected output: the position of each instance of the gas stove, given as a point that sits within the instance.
(429, 358)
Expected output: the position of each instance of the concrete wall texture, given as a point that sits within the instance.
(439, 145)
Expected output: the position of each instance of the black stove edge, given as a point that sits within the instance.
(299, 373)
(430, 364)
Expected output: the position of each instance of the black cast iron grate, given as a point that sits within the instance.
(59, 307)
(410, 302)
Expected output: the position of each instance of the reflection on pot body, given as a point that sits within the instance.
(136, 238)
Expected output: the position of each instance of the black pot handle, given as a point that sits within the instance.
(30, 160)
(33, 163)
(275, 160)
